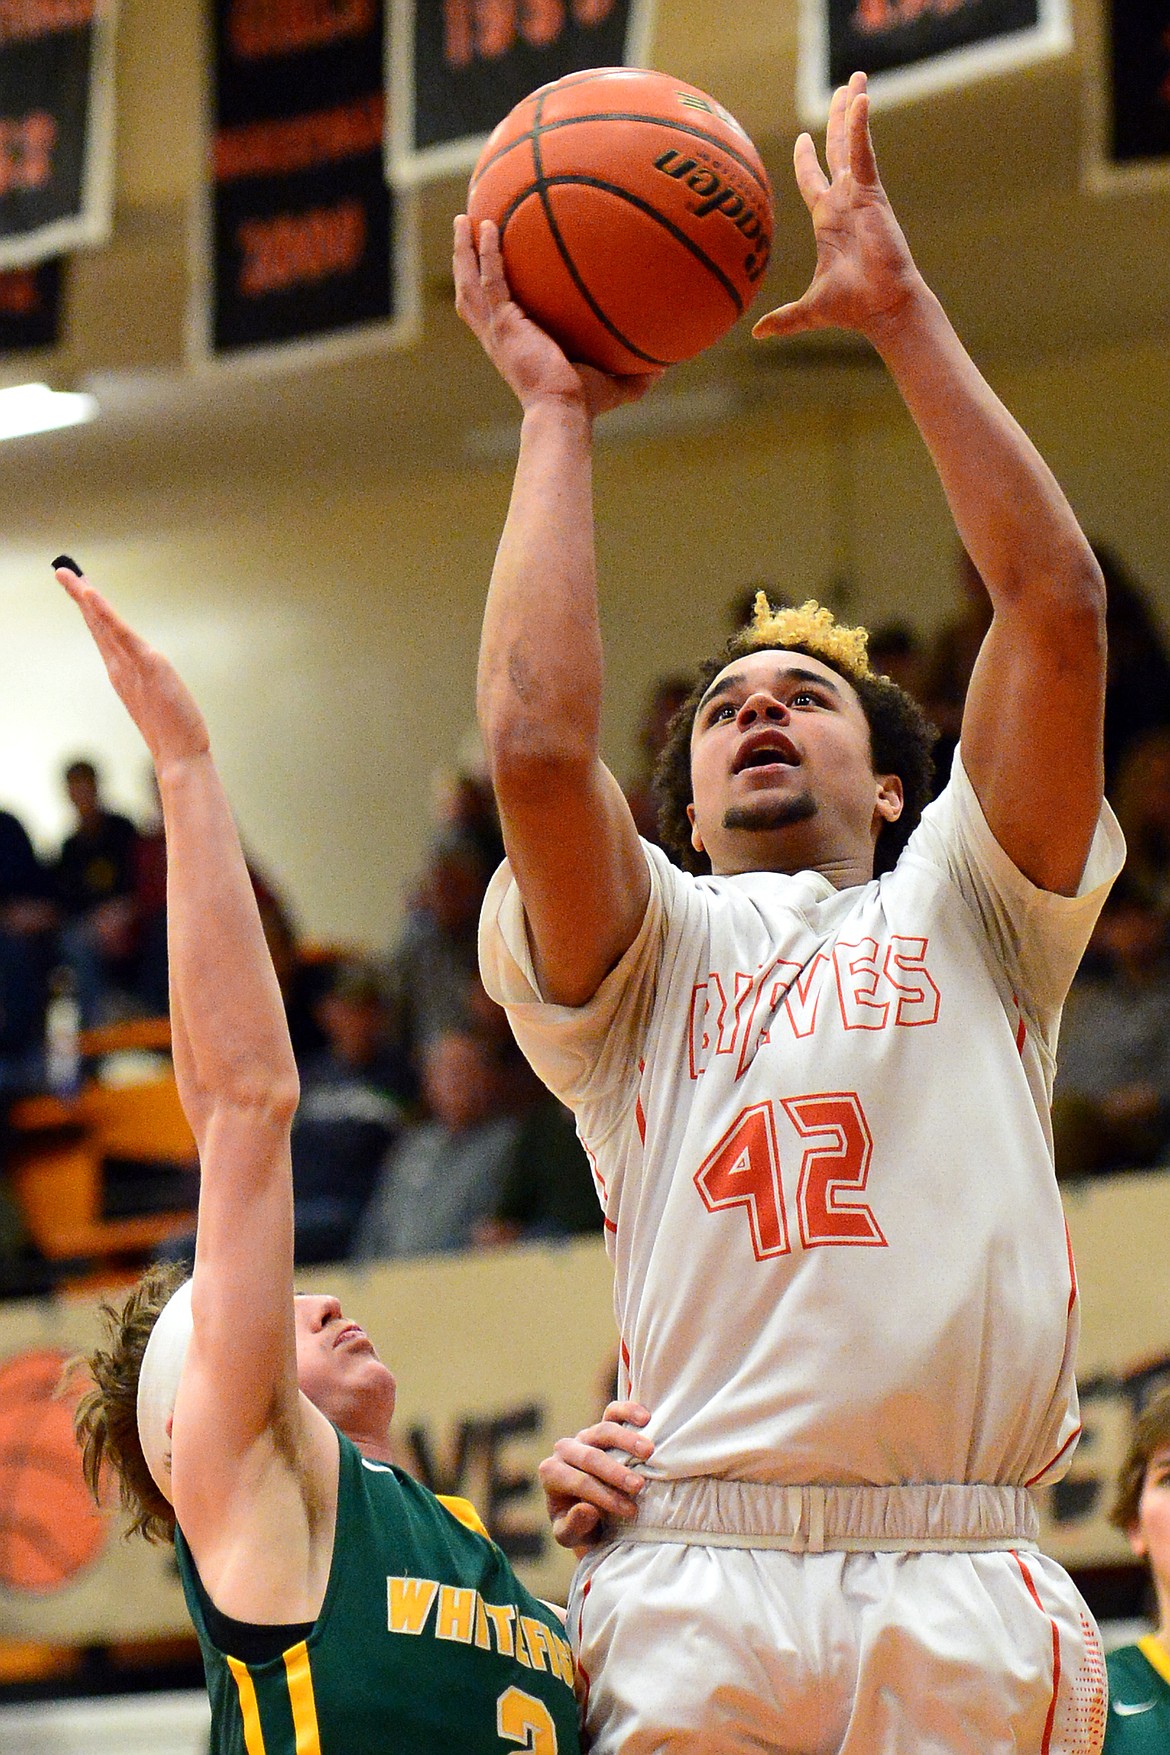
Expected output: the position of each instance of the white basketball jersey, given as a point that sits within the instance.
(818, 1121)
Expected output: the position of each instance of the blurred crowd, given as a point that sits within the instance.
(421, 1129)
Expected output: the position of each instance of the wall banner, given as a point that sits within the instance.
(1129, 97)
(30, 306)
(56, 126)
(303, 242)
(911, 47)
(458, 66)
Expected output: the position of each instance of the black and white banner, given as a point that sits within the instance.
(458, 66)
(911, 47)
(30, 307)
(1129, 118)
(56, 127)
(304, 244)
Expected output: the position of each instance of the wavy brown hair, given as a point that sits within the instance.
(106, 1421)
(900, 739)
(1151, 1434)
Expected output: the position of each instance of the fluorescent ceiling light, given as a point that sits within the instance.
(34, 408)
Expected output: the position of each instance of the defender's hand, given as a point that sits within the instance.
(147, 684)
(526, 357)
(588, 1479)
(865, 274)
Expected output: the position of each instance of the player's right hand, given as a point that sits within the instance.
(527, 358)
(589, 1479)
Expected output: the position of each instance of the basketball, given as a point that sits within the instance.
(635, 215)
(50, 1529)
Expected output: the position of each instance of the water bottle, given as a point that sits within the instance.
(62, 1035)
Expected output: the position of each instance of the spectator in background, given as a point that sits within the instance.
(354, 1093)
(445, 1173)
(432, 973)
(548, 1190)
(1111, 1103)
(1137, 684)
(27, 919)
(1142, 801)
(665, 698)
(1139, 1674)
(94, 888)
(896, 651)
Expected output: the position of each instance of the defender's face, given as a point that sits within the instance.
(781, 769)
(1150, 1536)
(338, 1367)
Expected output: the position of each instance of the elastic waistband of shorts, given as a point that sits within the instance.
(932, 1516)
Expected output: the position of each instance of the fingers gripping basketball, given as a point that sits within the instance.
(635, 215)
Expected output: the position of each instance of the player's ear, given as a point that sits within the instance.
(890, 799)
(696, 838)
(1136, 1540)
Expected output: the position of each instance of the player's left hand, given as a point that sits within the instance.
(588, 1479)
(865, 274)
(148, 685)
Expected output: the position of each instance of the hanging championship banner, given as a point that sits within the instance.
(1130, 96)
(56, 126)
(910, 47)
(458, 66)
(304, 244)
(30, 307)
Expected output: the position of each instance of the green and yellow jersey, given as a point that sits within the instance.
(427, 1642)
(1139, 1699)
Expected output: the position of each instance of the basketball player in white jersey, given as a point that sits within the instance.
(813, 1074)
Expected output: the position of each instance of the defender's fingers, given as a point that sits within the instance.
(862, 158)
(836, 149)
(810, 178)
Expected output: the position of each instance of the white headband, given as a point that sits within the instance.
(158, 1384)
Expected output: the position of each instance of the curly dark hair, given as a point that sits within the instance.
(106, 1421)
(900, 736)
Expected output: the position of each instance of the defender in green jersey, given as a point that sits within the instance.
(342, 1609)
(1139, 1675)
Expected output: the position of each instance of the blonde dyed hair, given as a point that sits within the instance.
(813, 628)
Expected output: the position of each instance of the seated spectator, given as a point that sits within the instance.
(445, 1173)
(666, 697)
(27, 919)
(433, 971)
(895, 651)
(949, 661)
(1137, 683)
(94, 888)
(1142, 802)
(548, 1190)
(354, 1093)
(1111, 1104)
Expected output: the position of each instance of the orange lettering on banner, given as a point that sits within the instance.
(26, 152)
(40, 18)
(264, 149)
(280, 27)
(18, 293)
(872, 16)
(588, 14)
(294, 249)
(541, 22)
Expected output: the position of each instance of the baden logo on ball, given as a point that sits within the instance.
(635, 215)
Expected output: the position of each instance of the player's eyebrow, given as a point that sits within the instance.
(727, 685)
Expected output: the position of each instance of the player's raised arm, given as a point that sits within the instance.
(1031, 736)
(570, 837)
(238, 1083)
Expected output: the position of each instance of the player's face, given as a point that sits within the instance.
(338, 1367)
(1150, 1536)
(781, 770)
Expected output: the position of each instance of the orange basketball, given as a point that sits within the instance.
(635, 214)
(50, 1528)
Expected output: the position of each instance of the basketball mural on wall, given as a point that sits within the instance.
(50, 1529)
